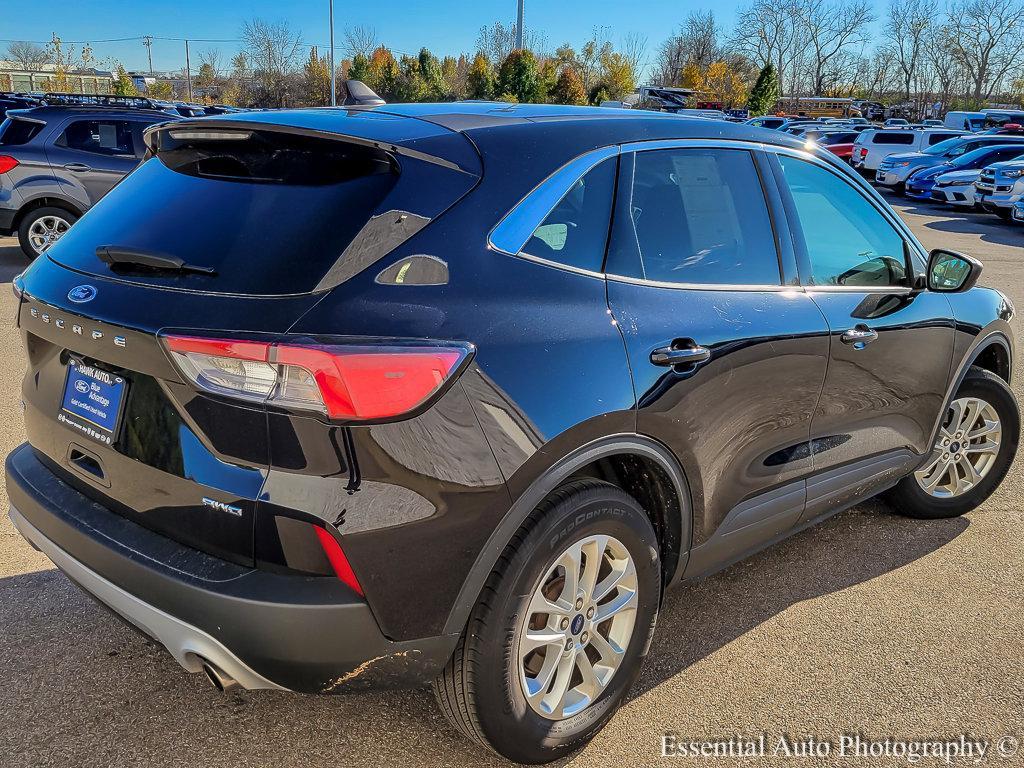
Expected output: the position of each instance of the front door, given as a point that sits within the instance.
(727, 357)
(93, 155)
(890, 345)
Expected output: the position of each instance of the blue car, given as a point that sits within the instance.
(919, 183)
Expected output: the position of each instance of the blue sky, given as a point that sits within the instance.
(444, 26)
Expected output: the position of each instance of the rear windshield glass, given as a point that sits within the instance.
(894, 137)
(15, 132)
(267, 213)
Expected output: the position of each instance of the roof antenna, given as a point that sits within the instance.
(361, 95)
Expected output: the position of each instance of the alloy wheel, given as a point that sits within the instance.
(965, 451)
(578, 627)
(45, 231)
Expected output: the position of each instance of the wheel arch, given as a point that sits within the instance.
(632, 456)
(45, 201)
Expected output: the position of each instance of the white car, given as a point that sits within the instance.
(956, 187)
(874, 145)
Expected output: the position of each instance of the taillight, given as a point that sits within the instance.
(337, 559)
(7, 163)
(340, 381)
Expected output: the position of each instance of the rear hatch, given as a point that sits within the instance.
(235, 228)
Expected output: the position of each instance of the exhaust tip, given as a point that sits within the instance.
(220, 680)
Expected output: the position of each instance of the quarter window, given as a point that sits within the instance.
(695, 216)
(575, 233)
(100, 137)
(847, 239)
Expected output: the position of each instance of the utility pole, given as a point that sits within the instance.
(334, 96)
(148, 42)
(519, 25)
(188, 72)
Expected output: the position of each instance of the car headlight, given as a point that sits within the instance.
(1013, 174)
(901, 165)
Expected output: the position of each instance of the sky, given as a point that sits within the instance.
(444, 26)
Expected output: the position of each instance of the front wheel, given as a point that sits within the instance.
(43, 227)
(561, 628)
(972, 454)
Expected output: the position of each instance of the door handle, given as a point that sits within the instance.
(690, 354)
(77, 167)
(859, 336)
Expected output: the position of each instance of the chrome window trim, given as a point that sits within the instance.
(753, 288)
(513, 231)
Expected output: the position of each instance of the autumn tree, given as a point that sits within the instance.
(316, 79)
(518, 77)
(480, 78)
(568, 88)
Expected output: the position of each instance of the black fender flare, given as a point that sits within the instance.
(548, 481)
(977, 348)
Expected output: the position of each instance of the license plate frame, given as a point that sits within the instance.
(93, 401)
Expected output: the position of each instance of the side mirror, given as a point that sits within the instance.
(952, 272)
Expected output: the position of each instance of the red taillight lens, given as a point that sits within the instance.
(338, 561)
(7, 163)
(341, 381)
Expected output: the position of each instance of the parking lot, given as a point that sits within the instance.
(870, 624)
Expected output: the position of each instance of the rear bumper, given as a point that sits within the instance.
(265, 630)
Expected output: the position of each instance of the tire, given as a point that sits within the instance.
(910, 498)
(1005, 214)
(482, 690)
(63, 219)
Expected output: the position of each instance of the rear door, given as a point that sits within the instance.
(890, 346)
(92, 154)
(728, 355)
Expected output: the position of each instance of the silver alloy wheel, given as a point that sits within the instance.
(578, 627)
(965, 451)
(45, 231)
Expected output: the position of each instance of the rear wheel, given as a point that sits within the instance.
(41, 228)
(1003, 213)
(972, 454)
(561, 628)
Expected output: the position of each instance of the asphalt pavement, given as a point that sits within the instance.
(869, 624)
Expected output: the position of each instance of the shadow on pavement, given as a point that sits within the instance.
(63, 654)
(12, 259)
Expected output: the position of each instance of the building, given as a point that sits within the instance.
(87, 80)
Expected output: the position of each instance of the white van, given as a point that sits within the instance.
(874, 145)
(965, 121)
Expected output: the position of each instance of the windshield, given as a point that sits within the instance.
(979, 156)
(944, 146)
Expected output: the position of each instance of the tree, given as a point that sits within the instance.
(724, 84)
(769, 31)
(434, 86)
(568, 88)
(28, 56)
(383, 73)
(906, 32)
(480, 78)
(360, 41)
(359, 69)
(831, 29)
(617, 75)
(986, 37)
(123, 85)
(316, 77)
(696, 41)
(765, 93)
(517, 76)
(274, 52)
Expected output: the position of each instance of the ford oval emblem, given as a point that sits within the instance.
(81, 294)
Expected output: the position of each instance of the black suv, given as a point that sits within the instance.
(338, 398)
(57, 161)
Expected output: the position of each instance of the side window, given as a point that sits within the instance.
(893, 137)
(100, 137)
(575, 233)
(848, 241)
(935, 138)
(696, 216)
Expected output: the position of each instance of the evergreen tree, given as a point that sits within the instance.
(360, 68)
(123, 85)
(518, 77)
(765, 93)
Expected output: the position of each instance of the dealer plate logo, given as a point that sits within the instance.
(81, 294)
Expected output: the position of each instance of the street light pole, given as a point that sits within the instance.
(334, 97)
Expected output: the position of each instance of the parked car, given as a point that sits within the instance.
(966, 121)
(996, 118)
(931, 123)
(494, 409)
(894, 170)
(767, 121)
(919, 183)
(999, 187)
(56, 162)
(956, 188)
(839, 143)
(16, 101)
(895, 122)
(1017, 215)
(876, 144)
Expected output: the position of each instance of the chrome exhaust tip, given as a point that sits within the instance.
(220, 680)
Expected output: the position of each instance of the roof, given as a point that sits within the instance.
(57, 109)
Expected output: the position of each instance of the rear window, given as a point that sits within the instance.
(937, 138)
(839, 138)
(15, 132)
(269, 212)
(894, 137)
